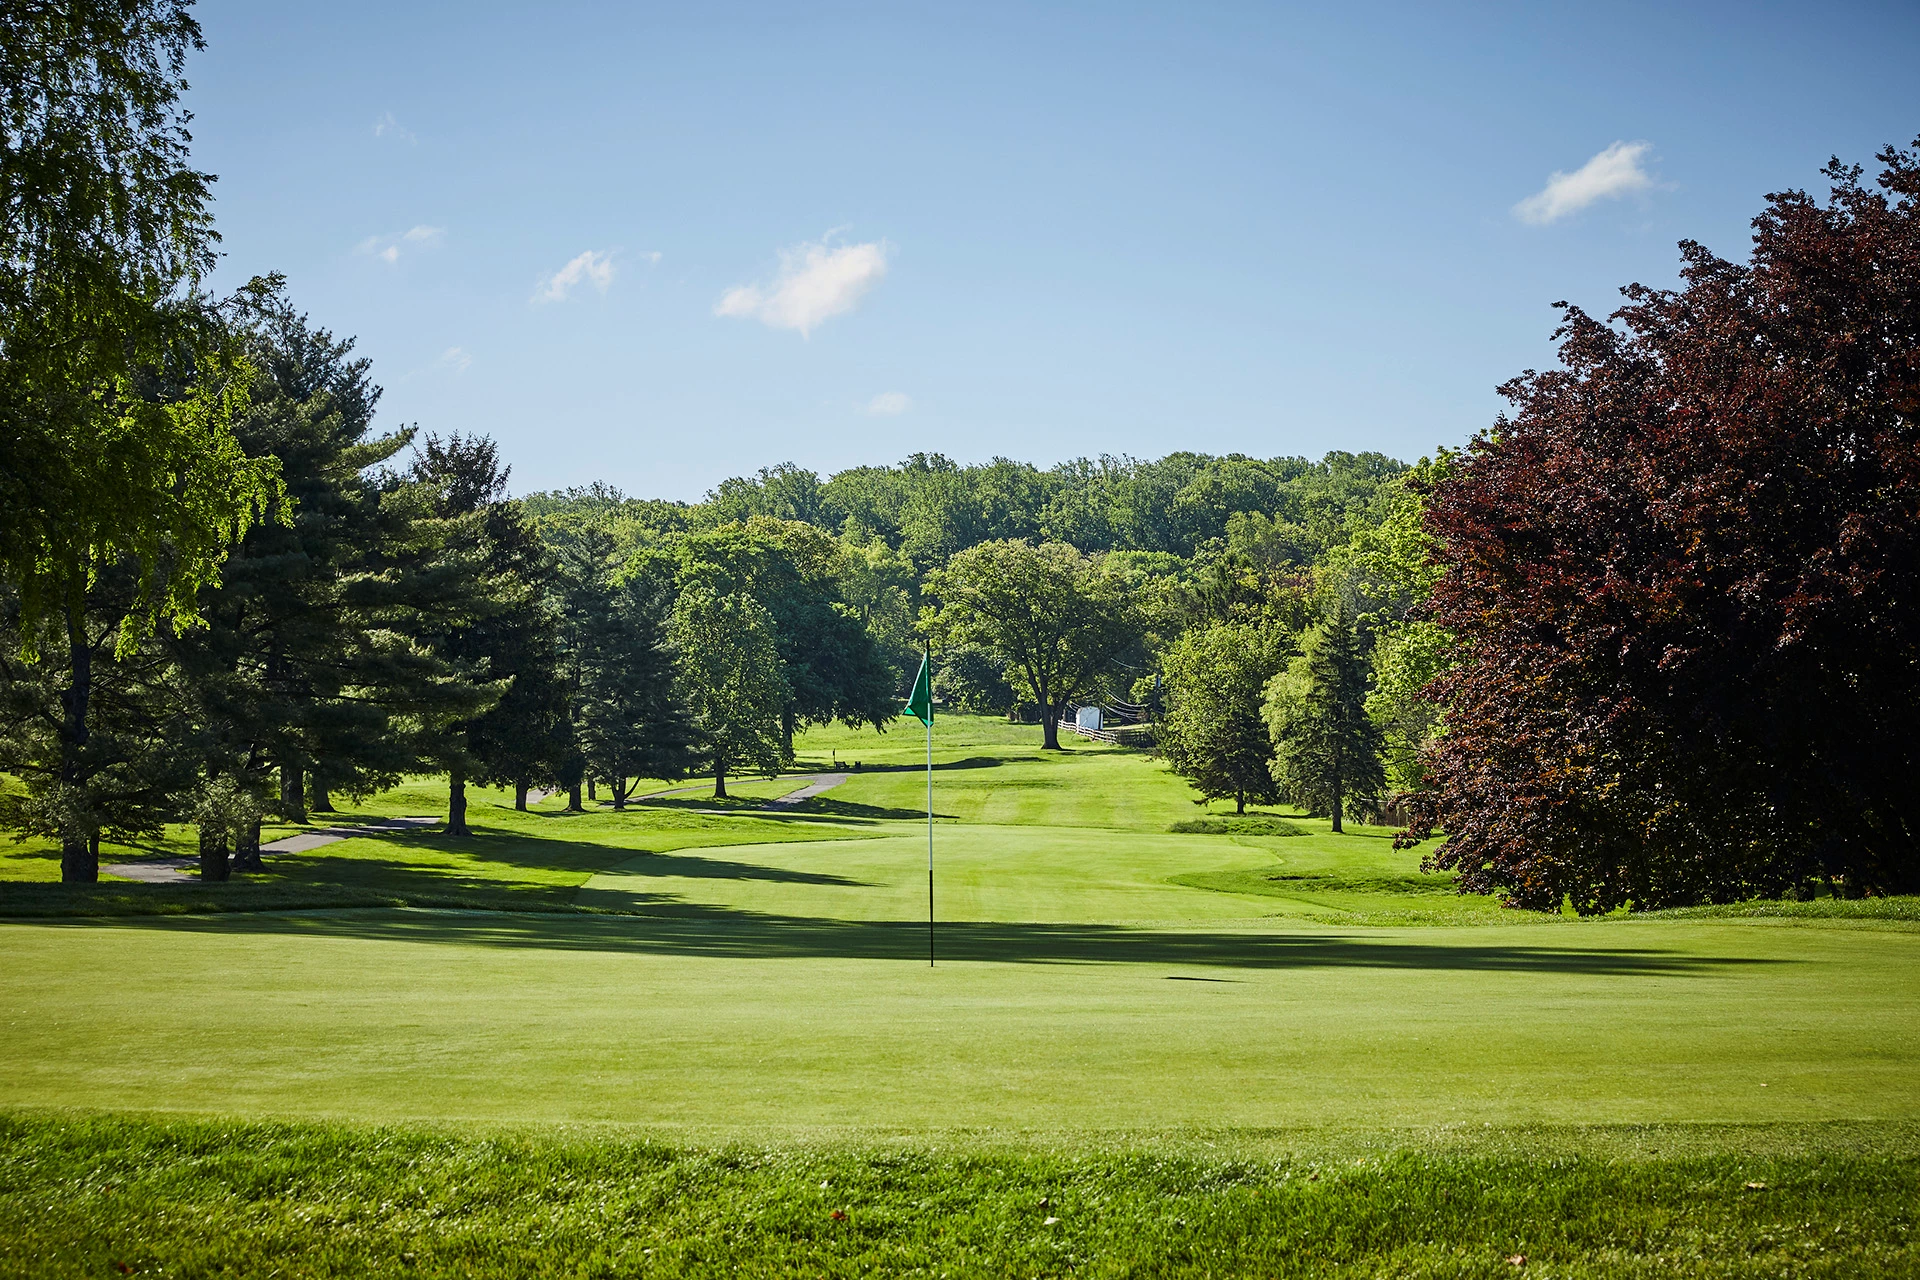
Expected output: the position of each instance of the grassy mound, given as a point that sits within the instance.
(201, 1198)
(1251, 824)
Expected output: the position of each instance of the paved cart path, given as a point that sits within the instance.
(181, 870)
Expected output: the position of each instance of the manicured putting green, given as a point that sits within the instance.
(750, 1022)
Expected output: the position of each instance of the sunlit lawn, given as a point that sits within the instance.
(739, 978)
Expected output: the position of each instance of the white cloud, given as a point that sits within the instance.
(1614, 172)
(387, 248)
(816, 281)
(888, 403)
(388, 127)
(454, 360)
(590, 266)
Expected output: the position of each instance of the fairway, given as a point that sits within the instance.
(1088, 984)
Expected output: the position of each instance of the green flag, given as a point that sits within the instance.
(920, 704)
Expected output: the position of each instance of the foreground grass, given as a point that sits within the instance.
(110, 1196)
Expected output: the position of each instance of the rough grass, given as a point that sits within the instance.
(1881, 909)
(1239, 825)
(99, 1196)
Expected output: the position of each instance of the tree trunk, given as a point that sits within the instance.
(720, 782)
(1338, 805)
(619, 788)
(77, 864)
(322, 802)
(457, 804)
(1049, 729)
(293, 793)
(213, 855)
(520, 794)
(593, 792)
(573, 799)
(246, 850)
(1239, 802)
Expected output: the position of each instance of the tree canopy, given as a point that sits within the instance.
(1682, 574)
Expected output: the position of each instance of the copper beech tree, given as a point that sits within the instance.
(1684, 575)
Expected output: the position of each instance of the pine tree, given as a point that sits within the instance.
(1327, 750)
(633, 723)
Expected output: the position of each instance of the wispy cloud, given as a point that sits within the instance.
(1615, 172)
(388, 127)
(888, 403)
(454, 360)
(388, 248)
(591, 266)
(816, 281)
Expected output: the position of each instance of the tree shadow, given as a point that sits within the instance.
(822, 806)
(674, 927)
(527, 852)
(751, 807)
(941, 766)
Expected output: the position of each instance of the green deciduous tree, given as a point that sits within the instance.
(729, 667)
(829, 662)
(1055, 617)
(1213, 733)
(117, 387)
(1327, 751)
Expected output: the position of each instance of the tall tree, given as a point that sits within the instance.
(1683, 577)
(486, 618)
(1327, 750)
(1212, 733)
(284, 673)
(730, 673)
(1052, 615)
(832, 668)
(633, 721)
(117, 387)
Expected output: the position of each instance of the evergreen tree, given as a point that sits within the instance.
(1327, 750)
(633, 723)
(487, 619)
(730, 670)
(1212, 733)
(284, 673)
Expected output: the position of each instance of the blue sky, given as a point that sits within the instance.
(662, 245)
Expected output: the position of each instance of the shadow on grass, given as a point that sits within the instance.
(825, 807)
(943, 766)
(672, 927)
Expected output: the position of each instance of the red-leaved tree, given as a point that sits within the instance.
(1685, 579)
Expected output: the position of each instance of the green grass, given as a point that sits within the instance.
(122, 1196)
(1244, 824)
(698, 1008)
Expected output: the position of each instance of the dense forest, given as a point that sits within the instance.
(1650, 639)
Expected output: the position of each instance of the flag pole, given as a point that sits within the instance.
(929, 837)
(920, 705)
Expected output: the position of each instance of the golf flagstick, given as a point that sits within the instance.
(920, 706)
(929, 837)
